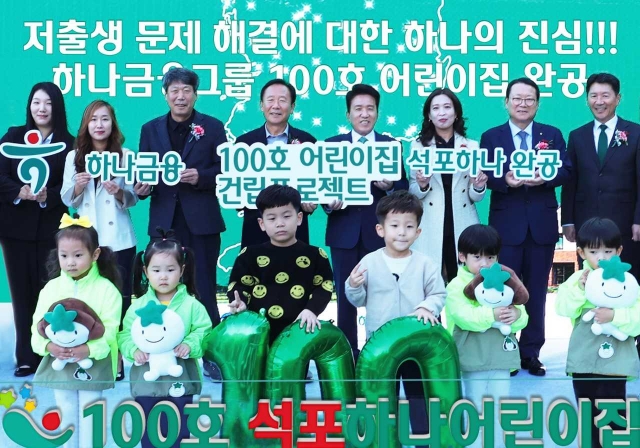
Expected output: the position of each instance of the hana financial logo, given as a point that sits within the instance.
(32, 169)
(23, 430)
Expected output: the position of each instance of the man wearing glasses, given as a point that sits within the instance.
(524, 212)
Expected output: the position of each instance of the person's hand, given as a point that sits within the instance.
(26, 194)
(140, 357)
(189, 176)
(112, 187)
(511, 180)
(357, 277)
(237, 306)
(82, 179)
(42, 195)
(583, 278)
(59, 352)
(182, 351)
(635, 232)
(310, 320)
(480, 181)
(384, 184)
(537, 180)
(422, 180)
(497, 313)
(425, 316)
(142, 189)
(80, 352)
(569, 233)
(308, 207)
(509, 315)
(603, 315)
(335, 205)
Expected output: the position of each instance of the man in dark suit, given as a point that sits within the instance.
(606, 176)
(190, 207)
(525, 212)
(277, 102)
(351, 231)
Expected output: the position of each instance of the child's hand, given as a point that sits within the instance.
(356, 278)
(425, 315)
(497, 313)
(80, 352)
(237, 306)
(182, 351)
(583, 278)
(140, 357)
(509, 315)
(309, 319)
(603, 315)
(59, 352)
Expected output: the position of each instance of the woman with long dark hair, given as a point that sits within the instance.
(30, 219)
(106, 203)
(448, 200)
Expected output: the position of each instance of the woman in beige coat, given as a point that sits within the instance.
(448, 199)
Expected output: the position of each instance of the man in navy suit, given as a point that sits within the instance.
(277, 102)
(190, 207)
(606, 177)
(525, 212)
(351, 231)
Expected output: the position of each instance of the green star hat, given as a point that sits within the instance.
(614, 268)
(61, 319)
(494, 277)
(151, 314)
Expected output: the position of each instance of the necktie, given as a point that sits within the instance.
(523, 139)
(362, 140)
(603, 143)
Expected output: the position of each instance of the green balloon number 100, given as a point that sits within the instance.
(239, 345)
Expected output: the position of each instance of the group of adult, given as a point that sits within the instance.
(600, 175)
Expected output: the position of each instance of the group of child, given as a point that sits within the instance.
(293, 281)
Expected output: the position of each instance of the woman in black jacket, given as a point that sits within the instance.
(29, 219)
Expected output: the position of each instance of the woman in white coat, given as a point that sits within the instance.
(448, 199)
(105, 203)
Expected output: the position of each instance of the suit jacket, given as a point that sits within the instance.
(251, 232)
(610, 190)
(28, 221)
(463, 199)
(109, 216)
(344, 227)
(199, 202)
(514, 211)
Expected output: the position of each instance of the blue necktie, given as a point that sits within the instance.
(523, 139)
(362, 140)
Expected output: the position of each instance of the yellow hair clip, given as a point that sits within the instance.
(67, 221)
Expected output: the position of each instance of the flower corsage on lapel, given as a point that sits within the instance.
(544, 144)
(621, 137)
(197, 131)
(294, 141)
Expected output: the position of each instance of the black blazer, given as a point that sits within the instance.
(610, 190)
(28, 221)
(199, 202)
(345, 226)
(251, 231)
(515, 211)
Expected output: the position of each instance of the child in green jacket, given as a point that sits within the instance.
(486, 355)
(79, 269)
(163, 330)
(600, 364)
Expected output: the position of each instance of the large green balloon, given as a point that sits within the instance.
(400, 340)
(287, 367)
(239, 345)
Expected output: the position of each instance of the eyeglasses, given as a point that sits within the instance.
(526, 101)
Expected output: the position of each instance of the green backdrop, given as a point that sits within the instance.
(475, 70)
